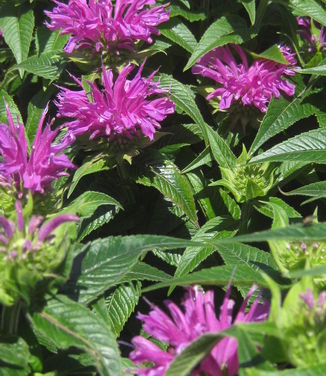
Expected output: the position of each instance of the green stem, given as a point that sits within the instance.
(10, 319)
(246, 211)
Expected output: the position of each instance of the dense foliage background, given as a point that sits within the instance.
(216, 197)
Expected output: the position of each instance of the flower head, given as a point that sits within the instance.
(95, 24)
(180, 328)
(28, 250)
(313, 33)
(123, 108)
(33, 170)
(253, 85)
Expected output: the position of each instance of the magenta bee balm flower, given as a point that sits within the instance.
(34, 170)
(253, 85)
(122, 108)
(182, 327)
(316, 39)
(100, 25)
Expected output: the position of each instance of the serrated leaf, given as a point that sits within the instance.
(121, 304)
(309, 8)
(70, 324)
(142, 271)
(48, 65)
(281, 114)
(186, 14)
(319, 70)
(228, 29)
(5, 97)
(176, 31)
(17, 26)
(86, 204)
(106, 262)
(266, 208)
(306, 147)
(14, 358)
(50, 40)
(183, 97)
(221, 150)
(316, 231)
(242, 276)
(90, 167)
(167, 178)
(35, 109)
(203, 158)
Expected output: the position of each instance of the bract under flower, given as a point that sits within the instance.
(123, 108)
(28, 251)
(181, 328)
(35, 170)
(100, 25)
(253, 85)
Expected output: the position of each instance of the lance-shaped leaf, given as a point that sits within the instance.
(104, 263)
(178, 32)
(69, 324)
(307, 147)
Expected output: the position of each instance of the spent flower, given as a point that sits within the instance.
(34, 170)
(253, 85)
(180, 328)
(97, 24)
(122, 108)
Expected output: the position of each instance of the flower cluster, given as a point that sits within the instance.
(313, 33)
(253, 85)
(95, 24)
(184, 327)
(35, 170)
(27, 251)
(123, 108)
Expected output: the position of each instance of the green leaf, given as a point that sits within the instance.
(272, 53)
(306, 147)
(121, 304)
(228, 29)
(186, 14)
(14, 358)
(142, 271)
(90, 167)
(221, 150)
(274, 203)
(176, 31)
(168, 179)
(69, 324)
(50, 40)
(242, 276)
(319, 70)
(281, 114)
(86, 204)
(5, 97)
(309, 8)
(250, 7)
(242, 254)
(48, 65)
(202, 159)
(316, 231)
(184, 98)
(106, 262)
(317, 370)
(35, 109)
(194, 255)
(17, 26)
(316, 190)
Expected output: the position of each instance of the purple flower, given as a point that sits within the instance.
(253, 85)
(33, 170)
(316, 42)
(180, 328)
(122, 108)
(19, 240)
(94, 24)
